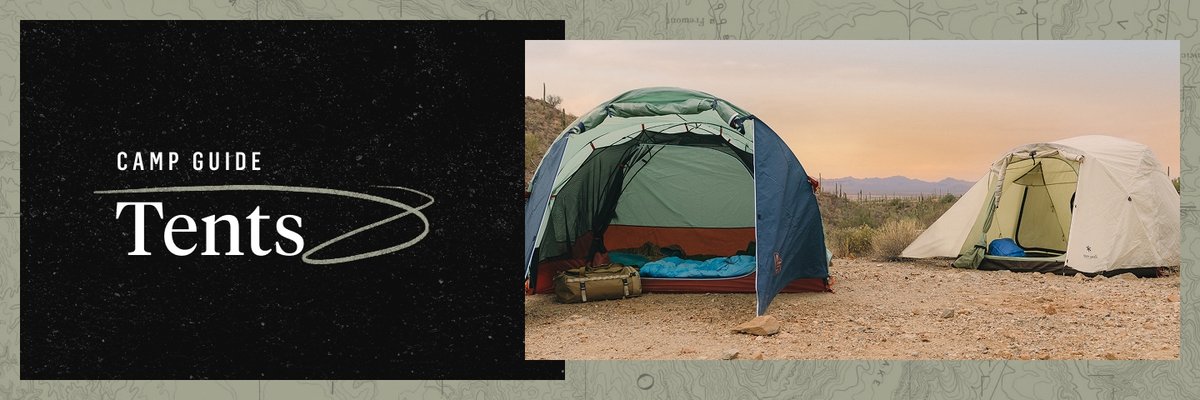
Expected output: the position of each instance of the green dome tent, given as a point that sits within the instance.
(676, 167)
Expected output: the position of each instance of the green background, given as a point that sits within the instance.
(676, 19)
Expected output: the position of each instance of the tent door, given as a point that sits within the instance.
(1043, 220)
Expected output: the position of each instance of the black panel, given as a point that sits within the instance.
(433, 106)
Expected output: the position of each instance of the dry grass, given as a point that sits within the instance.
(878, 229)
(891, 238)
(850, 242)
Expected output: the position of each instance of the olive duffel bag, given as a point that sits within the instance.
(604, 282)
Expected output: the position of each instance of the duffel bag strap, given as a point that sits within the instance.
(583, 291)
(625, 282)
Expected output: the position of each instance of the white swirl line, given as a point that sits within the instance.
(307, 256)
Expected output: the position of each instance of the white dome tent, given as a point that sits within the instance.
(1088, 204)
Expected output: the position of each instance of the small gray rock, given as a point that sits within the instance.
(1126, 276)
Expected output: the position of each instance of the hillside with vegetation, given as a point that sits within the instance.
(543, 122)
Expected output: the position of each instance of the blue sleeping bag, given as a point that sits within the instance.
(720, 267)
(1005, 247)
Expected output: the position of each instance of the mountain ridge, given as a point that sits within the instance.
(898, 185)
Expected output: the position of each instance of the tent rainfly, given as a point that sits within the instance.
(670, 166)
(1088, 204)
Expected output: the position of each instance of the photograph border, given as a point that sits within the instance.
(715, 19)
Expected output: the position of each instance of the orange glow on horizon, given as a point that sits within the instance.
(922, 109)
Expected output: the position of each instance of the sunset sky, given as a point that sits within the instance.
(922, 109)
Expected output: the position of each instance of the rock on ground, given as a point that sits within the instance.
(761, 326)
(1127, 276)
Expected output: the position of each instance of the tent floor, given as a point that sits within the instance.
(1054, 265)
(741, 284)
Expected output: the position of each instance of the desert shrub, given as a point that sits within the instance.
(859, 216)
(877, 228)
(849, 242)
(554, 100)
(891, 238)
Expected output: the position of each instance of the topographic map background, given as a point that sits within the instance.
(677, 19)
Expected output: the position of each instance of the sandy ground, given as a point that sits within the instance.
(880, 310)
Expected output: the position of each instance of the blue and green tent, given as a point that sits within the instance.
(670, 166)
